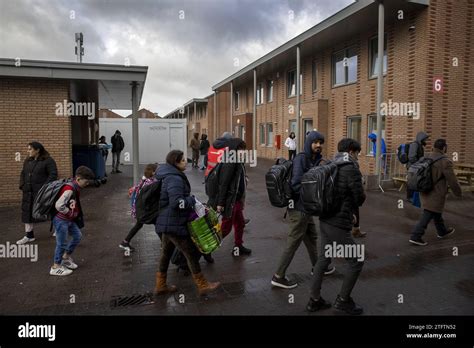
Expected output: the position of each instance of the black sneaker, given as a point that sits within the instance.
(284, 283)
(243, 250)
(126, 246)
(448, 232)
(348, 306)
(328, 271)
(118, 171)
(318, 305)
(418, 241)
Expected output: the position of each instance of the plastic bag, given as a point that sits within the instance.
(199, 208)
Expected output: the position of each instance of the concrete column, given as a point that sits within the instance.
(254, 118)
(379, 89)
(136, 161)
(231, 104)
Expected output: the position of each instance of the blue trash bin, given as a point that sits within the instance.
(89, 156)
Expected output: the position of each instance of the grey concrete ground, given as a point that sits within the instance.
(431, 279)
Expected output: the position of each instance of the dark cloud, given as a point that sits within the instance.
(185, 56)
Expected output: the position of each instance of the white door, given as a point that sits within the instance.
(176, 138)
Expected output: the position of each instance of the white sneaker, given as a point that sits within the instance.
(54, 234)
(69, 263)
(60, 271)
(25, 240)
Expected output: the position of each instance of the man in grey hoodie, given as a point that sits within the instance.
(415, 152)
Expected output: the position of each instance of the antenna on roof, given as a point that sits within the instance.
(79, 49)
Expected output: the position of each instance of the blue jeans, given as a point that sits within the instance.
(425, 219)
(63, 228)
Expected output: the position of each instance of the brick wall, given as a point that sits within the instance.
(27, 113)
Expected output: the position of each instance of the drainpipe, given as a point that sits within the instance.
(231, 104)
(254, 119)
(379, 91)
(298, 116)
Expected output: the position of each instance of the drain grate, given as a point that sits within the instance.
(133, 300)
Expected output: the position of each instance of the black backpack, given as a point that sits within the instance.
(147, 203)
(317, 188)
(212, 182)
(419, 177)
(43, 205)
(278, 182)
(402, 153)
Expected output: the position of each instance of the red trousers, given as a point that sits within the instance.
(236, 220)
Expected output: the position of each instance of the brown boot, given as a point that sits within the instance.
(161, 287)
(204, 287)
(357, 233)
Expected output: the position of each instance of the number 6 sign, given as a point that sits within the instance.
(437, 84)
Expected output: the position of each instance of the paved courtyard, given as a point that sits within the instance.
(431, 279)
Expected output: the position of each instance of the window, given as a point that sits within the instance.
(236, 100)
(292, 83)
(354, 130)
(373, 56)
(262, 134)
(307, 126)
(372, 123)
(344, 66)
(292, 127)
(314, 76)
(269, 134)
(259, 94)
(269, 91)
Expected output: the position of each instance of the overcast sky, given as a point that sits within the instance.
(185, 56)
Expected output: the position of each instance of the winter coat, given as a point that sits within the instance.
(194, 144)
(117, 143)
(349, 194)
(231, 179)
(443, 176)
(204, 147)
(303, 162)
(290, 143)
(416, 150)
(34, 175)
(373, 136)
(176, 202)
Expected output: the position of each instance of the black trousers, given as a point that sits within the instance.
(291, 154)
(184, 244)
(425, 219)
(133, 231)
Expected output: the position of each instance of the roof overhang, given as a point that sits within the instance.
(114, 81)
(356, 18)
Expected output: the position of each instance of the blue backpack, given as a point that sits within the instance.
(402, 153)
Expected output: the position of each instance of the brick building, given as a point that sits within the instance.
(30, 92)
(428, 61)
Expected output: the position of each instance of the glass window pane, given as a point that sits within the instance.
(351, 65)
(338, 69)
(291, 84)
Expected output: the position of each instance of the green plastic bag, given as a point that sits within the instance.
(206, 232)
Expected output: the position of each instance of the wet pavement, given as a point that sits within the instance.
(397, 279)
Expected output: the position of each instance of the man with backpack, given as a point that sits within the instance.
(415, 152)
(433, 200)
(302, 227)
(336, 225)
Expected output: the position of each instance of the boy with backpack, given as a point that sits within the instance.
(433, 199)
(302, 227)
(69, 220)
(336, 225)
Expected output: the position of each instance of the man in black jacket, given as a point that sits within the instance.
(229, 197)
(302, 226)
(117, 147)
(336, 229)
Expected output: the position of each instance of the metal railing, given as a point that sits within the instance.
(392, 167)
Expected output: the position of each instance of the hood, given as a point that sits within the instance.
(343, 157)
(421, 136)
(311, 138)
(373, 136)
(165, 170)
(204, 137)
(220, 143)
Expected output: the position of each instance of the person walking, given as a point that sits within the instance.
(195, 145)
(117, 147)
(147, 179)
(203, 149)
(433, 202)
(39, 168)
(415, 152)
(290, 143)
(336, 229)
(302, 227)
(176, 204)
